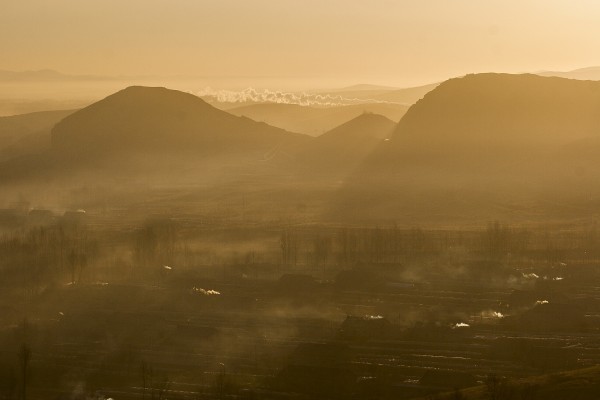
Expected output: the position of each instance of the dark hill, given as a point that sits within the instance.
(482, 146)
(314, 121)
(340, 150)
(365, 126)
(158, 121)
(159, 136)
(503, 108)
(27, 133)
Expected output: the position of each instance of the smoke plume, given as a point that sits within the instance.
(273, 96)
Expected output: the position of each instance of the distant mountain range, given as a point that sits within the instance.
(483, 146)
(28, 133)
(338, 152)
(314, 121)
(45, 75)
(589, 73)
(407, 96)
(143, 125)
(141, 138)
(361, 87)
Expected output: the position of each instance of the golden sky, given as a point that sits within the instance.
(399, 42)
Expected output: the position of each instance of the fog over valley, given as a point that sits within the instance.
(270, 200)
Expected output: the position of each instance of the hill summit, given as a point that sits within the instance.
(485, 145)
(504, 108)
(339, 151)
(158, 120)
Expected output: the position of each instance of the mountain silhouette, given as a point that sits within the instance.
(504, 107)
(588, 73)
(362, 87)
(406, 96)
(158, 120)
(314, 121)
(364, 127)
(44, 75)
(27, 133)
(340, 150)
(383, 94)
(482, 144)
(158, 134)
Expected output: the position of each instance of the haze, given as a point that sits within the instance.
(299, 200)
(299, 44)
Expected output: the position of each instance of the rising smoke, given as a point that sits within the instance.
(273, 96)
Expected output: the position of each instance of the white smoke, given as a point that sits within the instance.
(491, 314)
(532, 275)
(204, 292)
(274, 96)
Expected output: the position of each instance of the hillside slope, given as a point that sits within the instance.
(314, 121)
(159, 135)
(339, 151)
(158, 120)
(483, 146)
(27, 133)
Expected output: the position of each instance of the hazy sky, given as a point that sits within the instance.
(398, 42)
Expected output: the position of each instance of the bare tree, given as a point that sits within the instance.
(498, 388)
(289, 247)
(9, 384)
(457, 395)
(156, 387)
(24, 357)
